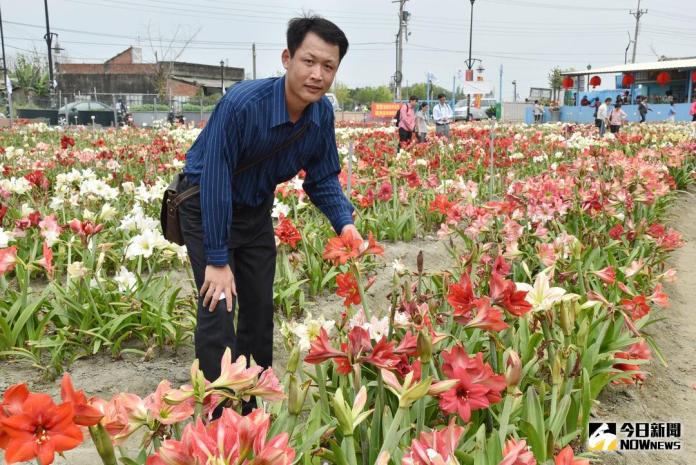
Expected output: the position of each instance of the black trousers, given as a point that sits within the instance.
(252, 257)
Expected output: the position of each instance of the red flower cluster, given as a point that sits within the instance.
(287, 233)
(85, 229)
(637, 307)
(32, 426)
(348, 288)
(359, 349)
(478, 386)
(66, 142)
(461, 298)
(638, 351)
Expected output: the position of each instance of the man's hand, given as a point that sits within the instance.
(218, 279)
(351, 231)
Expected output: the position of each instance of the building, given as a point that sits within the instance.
(126, 75)
(660, 82)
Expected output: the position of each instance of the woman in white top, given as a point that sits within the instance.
(422, 122)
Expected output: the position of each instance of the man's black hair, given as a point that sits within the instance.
(325, 29)
(423, 105)
(439, 96)
(412, 98)
(607, 100)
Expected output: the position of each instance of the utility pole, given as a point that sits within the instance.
(253, 55)
(49, 39)
(8, 84)
(403, 25)
(636, 14)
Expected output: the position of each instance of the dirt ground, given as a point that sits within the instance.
(669, 395)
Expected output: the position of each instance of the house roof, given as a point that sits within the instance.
(682, 64)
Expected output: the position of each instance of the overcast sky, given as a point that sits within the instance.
(527, 37)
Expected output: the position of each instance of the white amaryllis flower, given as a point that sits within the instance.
(309, 330)
(14, 185)
(398, 266)
(107, 212)
(145, 244)
(278, 208)
(5, 238)
(126, 280)
(541, 296)
(77, 270)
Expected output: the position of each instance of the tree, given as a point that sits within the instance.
(555, 82)
(30, 73)
(165, 56)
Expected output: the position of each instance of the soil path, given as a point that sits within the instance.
(669, 394)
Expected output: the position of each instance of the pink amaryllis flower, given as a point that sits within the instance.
(84, 229)
(638, 351)
(235, 375)
(487, 317)
(268, 387)
(517, 453)
(85, 413)
(47, 260)
(50, 230)
(230, 440)
(567, 457)
(607, 275)
(435, 447)
(164, 412)
(658, 297)
(8, 258)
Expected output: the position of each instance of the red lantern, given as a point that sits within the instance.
(595, 81)
(693, 76)
(627, 80)
(663, 78)
(568, 82)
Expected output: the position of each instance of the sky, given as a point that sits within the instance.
(527, 37)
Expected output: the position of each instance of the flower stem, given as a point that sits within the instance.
(102, 442)
(421, 402)
(392, 438)
(349, 445)
(321, 383)
(361, 290)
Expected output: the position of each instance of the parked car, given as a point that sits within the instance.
(476, 113)
(68, 112)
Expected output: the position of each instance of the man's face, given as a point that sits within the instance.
(413, 103)
(442, 100)
(311, 71)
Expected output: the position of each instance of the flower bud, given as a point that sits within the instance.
(297, 395)
(424, 346)
(294, 360)
(419, 262)
(513, 368)
(556, 370)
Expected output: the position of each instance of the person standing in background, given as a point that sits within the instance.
(538, 111)
(422, 122)
(602, 116)
(442, 114)
(672, 113)
(617, 119)
(407, 121)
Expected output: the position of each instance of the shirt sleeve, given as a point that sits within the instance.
(221, 154)
(437, 115)
(321, 180)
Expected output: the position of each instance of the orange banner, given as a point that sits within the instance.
(384, 110)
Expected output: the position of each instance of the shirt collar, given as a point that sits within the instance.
(280, 114)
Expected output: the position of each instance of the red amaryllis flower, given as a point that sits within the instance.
(465, 397)
(637, 307)
(501, 267)
(461, 298)
(38, 179)
(607, 275)
(40, 430)
(638, 351)
(85, 229)
(3, 212)
(348, 288)
(504, 293)
(616, 232)
(373, 248)
(435, 447)
(567, 457)
(12, 401)
(342, 248)
(321, 350)
(287, 233)
(385, 191)
(66, 142)
(517, 453)
(382, 355)
(487, 317)
(8, 258)
(440, 204)
(85, 414)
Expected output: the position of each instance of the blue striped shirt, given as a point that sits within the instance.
(248, 122)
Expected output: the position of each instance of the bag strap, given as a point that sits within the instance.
(188, 193)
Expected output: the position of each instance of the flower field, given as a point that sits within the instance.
(559, 242)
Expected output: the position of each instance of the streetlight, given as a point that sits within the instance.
(514, 96)
(470, 61)
(222, 76)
